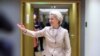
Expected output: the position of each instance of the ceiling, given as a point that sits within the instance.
(58, 6)
(46, 7)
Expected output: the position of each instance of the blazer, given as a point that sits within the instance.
(57, 41)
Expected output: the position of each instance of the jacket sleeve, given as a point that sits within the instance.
(67, 44)
(35, 33)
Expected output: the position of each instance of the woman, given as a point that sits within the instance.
(57, 38)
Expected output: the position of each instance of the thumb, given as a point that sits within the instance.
(18, 25)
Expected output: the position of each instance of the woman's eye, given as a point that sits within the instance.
(51, 18)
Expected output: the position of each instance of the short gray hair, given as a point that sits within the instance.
(57, 14)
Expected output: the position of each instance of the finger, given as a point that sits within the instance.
(23, 26)
(19, 25)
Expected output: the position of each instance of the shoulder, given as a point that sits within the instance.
(64, 30)
(47, 27)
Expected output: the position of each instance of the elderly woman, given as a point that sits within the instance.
(57, 38)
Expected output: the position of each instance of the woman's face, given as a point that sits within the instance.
(53, 20)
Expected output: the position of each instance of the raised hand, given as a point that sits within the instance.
(21, 27)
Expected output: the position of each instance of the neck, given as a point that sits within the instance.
(56, 27)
